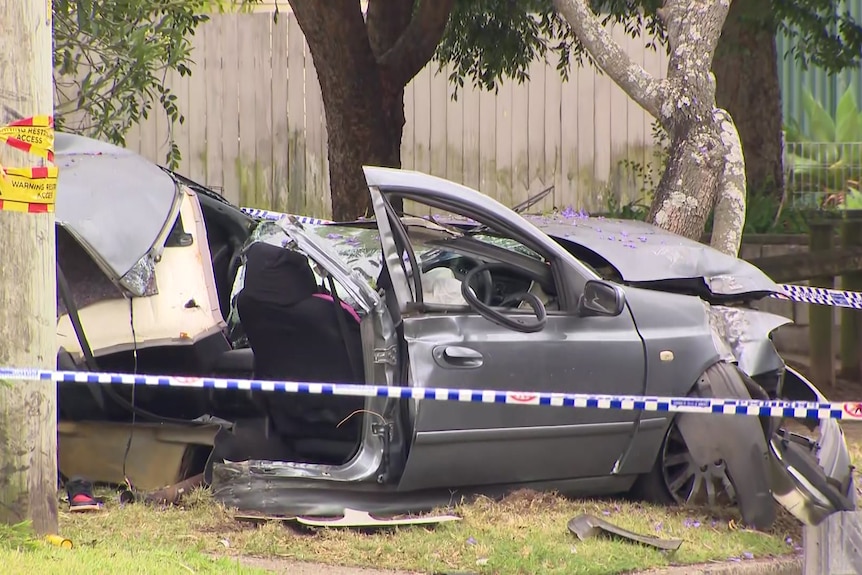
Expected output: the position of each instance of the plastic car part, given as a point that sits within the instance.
(586, 526)
(736, 441)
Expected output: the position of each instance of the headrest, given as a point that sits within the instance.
(277, 275)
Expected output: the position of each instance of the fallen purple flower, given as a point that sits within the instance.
(471, 541)
(568, 212)
(748, 555)
(659, 526)
(643, 238)
(334, 236)
(789, 540)
(606, 512)
(691, 523)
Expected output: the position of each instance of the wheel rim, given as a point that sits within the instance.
(689, 483)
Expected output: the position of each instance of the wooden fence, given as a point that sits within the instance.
(254, 124)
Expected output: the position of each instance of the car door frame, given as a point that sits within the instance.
(396, 245)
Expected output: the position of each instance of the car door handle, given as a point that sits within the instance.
(457, 356)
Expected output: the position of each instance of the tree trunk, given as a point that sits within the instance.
(689, 185)
(28, 320)
(746, 72)
(350, 83)
(356, 139)
(363, 67)
(684, 103)
(729, 220)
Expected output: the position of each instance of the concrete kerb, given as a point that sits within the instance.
(777, 566)
(791, 565)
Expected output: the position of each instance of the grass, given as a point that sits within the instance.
(524, 533)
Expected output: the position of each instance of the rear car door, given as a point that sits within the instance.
(453, 346)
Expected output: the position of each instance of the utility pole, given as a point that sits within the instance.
(28, 312)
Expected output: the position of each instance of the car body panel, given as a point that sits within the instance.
(644, 253)
(114, 202)
(184, 311)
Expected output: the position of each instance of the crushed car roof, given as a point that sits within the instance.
(640, 252)
(111, 199)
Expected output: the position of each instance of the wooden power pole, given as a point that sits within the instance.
(28, 312)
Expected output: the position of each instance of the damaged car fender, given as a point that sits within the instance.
(730, 446)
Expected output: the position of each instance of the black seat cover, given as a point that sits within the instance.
(296, 336)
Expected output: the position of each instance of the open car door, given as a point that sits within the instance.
(536, 344)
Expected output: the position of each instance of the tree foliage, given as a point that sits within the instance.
(488, 40)
(111, 59)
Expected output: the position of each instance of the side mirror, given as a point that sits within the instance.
(602, 299)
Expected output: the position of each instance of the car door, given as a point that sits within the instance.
(471, 444)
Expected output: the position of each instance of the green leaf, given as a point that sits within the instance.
(803, 165)
(822, 126)
(853, 200)
(847, 119)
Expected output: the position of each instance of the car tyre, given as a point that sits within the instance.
(675, 478)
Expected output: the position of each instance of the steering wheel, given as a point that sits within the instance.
(500, 318)
(486, 282)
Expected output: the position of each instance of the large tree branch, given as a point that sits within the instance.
(730, 208)
(414, 49)
(610, 57)
(693, 28)
(386, 21)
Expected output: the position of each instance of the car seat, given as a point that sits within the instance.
(295, 335)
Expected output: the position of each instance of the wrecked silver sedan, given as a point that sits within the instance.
(451, 289)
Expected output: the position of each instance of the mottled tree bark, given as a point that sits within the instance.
(747, 86)
(363, 65)
(702, 142)
(28, 409)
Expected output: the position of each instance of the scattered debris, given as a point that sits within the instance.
(59, 541)
(351, 518)
(172, 494)
(586, 526)
(355, 518)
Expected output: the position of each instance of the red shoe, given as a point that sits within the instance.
(80, 492)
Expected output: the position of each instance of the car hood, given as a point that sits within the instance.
(113, 201)
(643, 253)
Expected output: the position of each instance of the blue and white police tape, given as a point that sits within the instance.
(772, 408)
(270, 215)
(803, 294)
(821, 296)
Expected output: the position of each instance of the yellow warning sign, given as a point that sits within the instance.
(29, 189)
(31, 185)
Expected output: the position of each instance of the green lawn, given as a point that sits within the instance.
(525, 533)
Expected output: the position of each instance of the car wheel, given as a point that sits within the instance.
(732, 456)
(689, 483)
(677, 479)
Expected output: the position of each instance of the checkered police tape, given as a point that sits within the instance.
(803, 294)
(270, 215)
(772, 408)
(821, 296)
